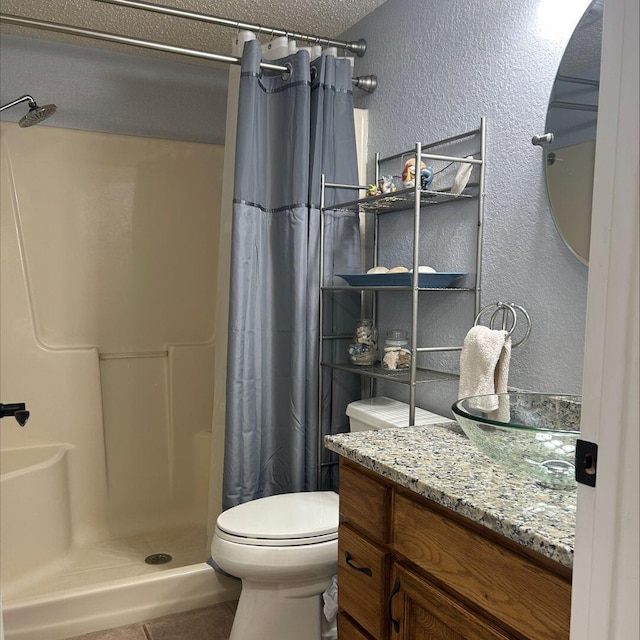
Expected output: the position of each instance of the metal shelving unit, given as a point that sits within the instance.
(402, 200)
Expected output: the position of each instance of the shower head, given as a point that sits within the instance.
(36, 114)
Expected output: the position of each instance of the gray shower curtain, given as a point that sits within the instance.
(291, 129)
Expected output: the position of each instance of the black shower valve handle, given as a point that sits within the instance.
(22, 417)
(16, 409)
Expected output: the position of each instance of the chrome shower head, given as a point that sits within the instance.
(36, 114)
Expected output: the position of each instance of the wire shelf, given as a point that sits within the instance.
(399, 201)
(401, 376)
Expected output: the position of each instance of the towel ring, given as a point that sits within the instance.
(509, 319)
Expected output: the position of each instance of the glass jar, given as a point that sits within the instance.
(397, 354)
(364, 350)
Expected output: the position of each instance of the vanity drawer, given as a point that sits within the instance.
(348, 631)
(365, 503)
(526, 596)
(362, 575)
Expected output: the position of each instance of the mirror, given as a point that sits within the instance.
(572, 118)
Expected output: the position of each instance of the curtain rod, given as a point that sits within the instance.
(358, 47)
(366, 83)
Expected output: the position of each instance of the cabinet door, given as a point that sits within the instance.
(421, 611)
(519, 592)
(363, 571)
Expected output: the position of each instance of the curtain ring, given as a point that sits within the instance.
(287, 74)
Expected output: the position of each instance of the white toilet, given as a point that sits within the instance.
(285, 547)
(385, 413)
(285, 550)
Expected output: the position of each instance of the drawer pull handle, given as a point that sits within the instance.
(365, 570)
(394, 622)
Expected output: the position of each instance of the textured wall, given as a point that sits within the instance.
(98, 90)
(442, 65)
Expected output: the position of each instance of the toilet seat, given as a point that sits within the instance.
(292, 519)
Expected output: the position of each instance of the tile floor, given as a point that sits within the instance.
(210, 623)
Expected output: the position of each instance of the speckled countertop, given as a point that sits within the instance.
(440, 463)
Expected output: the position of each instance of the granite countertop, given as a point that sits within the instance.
(439, 462)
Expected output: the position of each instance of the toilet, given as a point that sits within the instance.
(284, 548)
(385, 413)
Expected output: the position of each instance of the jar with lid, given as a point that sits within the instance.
(397, 354)
(364, 350)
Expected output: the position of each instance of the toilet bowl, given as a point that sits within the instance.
(284, 548)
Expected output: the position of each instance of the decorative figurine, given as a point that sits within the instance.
(409, 172)
(426, 178)
(385, 184)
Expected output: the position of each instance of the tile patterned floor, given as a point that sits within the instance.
(210, 623)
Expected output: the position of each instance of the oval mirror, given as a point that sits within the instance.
(572, 118)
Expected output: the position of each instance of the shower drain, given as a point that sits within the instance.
(158, 558)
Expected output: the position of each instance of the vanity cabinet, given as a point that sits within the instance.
(414, 570)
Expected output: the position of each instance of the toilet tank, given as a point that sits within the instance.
(383, 413)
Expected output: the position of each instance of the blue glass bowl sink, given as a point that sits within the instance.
(530, 434)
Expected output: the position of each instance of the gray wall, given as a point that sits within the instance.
(100, 90)
(441, 66)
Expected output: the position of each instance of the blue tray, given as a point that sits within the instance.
(439, 280)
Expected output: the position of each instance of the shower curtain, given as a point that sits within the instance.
(291, 128)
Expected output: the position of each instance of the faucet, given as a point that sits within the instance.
(16, 409)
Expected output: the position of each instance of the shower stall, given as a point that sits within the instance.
(109, 269)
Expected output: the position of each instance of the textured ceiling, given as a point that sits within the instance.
(326, 18)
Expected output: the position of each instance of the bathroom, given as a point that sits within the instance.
(109, 102)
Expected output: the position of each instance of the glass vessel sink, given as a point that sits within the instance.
(530, 434)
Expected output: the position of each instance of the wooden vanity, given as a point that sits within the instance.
(412, 569)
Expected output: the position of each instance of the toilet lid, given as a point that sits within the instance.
(286, 517)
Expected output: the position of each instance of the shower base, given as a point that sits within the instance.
(108, 584)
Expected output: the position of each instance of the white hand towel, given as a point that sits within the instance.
(484, 365)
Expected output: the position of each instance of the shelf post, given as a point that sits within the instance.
(415, 281)
(483, 151)
(320, 330)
